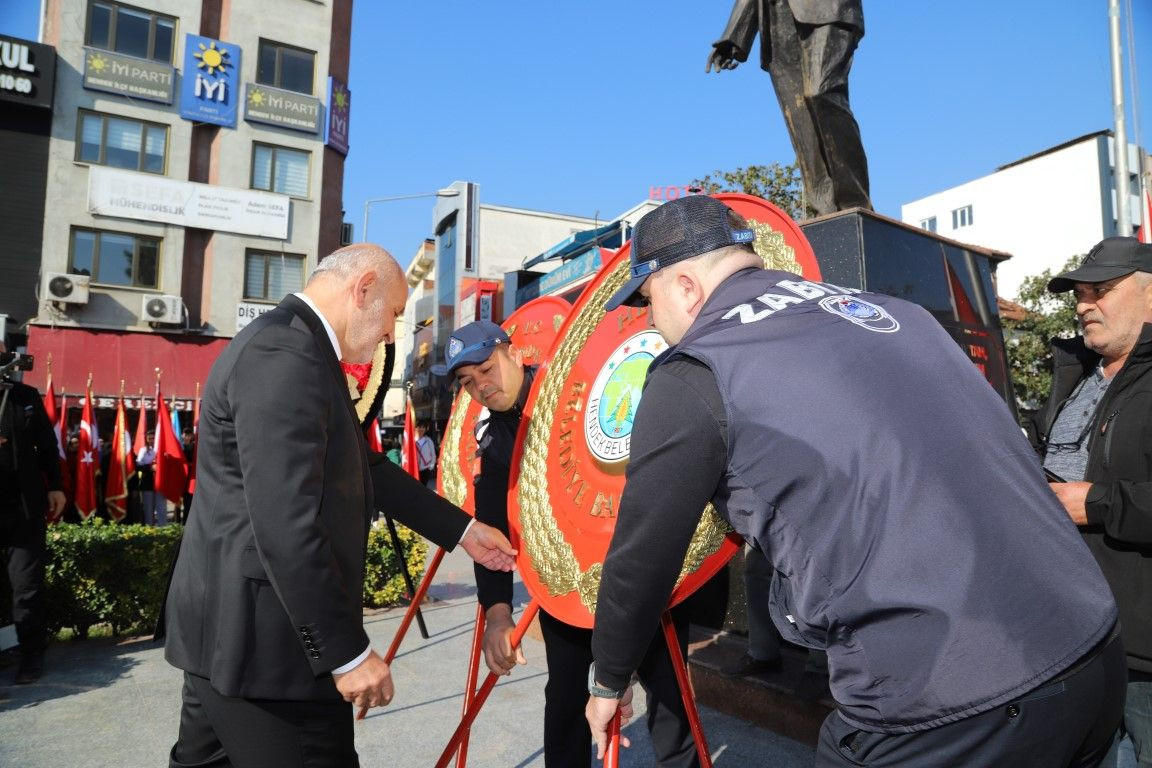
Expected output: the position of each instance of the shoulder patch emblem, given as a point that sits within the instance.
(863, 313)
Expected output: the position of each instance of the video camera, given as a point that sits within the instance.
(14, 361)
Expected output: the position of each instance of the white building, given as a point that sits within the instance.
(1043, 209)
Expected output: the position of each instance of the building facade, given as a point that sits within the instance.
(1043, 209)
(194, 175)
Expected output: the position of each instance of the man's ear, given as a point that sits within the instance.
(689, 290)
(361, 286)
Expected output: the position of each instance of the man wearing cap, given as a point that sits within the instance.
(491, 370)
(849, 438)
(1097, 435)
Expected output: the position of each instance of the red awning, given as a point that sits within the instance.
(111, 356)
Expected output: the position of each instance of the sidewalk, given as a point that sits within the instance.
(115, 704)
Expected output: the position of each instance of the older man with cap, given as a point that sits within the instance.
(1097, 436)
(847, 436)
(491, 370)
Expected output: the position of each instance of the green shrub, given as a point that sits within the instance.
(107, 573)
(383, 580)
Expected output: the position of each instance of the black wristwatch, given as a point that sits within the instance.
(600, 691)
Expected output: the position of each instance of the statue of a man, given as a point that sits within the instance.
(807, 47)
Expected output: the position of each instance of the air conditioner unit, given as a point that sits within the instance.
(66, 289)
(346, 234)
(160, 308)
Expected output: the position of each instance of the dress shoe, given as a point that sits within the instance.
(30, 669)
(747, 665)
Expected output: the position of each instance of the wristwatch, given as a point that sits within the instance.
(600, 691)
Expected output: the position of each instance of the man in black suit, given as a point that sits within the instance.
(30, 487)
(264, 610)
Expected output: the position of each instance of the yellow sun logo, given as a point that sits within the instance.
(212, 58)
(341, 99)
(97, 63)
(256, 97)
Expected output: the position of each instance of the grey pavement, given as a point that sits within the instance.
(116, 703)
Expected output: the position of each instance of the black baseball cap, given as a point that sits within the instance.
(469, 345)
(680, 229)
(1111, 258)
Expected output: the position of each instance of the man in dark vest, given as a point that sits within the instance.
(846, 436)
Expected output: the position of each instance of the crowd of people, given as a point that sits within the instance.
(978, 600)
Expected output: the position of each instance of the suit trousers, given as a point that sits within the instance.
(567, 739)
(23, 545)
(1067, 722)
(218, 731)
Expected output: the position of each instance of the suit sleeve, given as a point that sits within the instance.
(407, 500)
(281, 404)
(743, 26)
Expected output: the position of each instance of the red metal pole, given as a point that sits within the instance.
(414, 606)
(686, 696)
(612, 753)
(485, 689)
(470, 684)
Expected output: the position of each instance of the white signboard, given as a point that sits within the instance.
(144, 196)
(246, 312)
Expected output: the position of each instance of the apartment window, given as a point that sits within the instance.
(928, 224)
(283, 66)
(132, 31)
(279, 169)
(121, 142)
(270, 276)
(115, 258)
(962, 217)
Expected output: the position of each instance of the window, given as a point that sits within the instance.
(270, 276)
(121, 142)
(279, 169)
(131, 31)
(962, 217)
(928, 224)
(115, 258)
(283, 66)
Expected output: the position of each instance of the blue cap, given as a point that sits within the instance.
(469, 345)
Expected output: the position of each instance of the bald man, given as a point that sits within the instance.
(264, 610)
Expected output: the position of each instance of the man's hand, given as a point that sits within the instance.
(1073, 497)
(56, 502)
(498, 652)
(599, 713)
(723, 56)
(368, 685)
(487, 546)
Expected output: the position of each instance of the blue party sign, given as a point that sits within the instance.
(210, 90)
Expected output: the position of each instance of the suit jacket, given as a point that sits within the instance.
(265, 597)
(32, 449)
(751, 17)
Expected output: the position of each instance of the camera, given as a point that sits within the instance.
(14, 361)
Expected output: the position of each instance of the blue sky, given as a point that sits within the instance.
(580, 107)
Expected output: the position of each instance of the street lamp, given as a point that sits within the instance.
(446, 192)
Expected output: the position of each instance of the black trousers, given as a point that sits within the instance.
(567, 739)
(26, 553)
(1064, 723)
(219, 731)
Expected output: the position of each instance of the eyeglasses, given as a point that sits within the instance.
(1073, 446)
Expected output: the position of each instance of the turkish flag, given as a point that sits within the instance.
(1145, 233)
(57, 421)
(87, 461)
(195, 439)
(374, 443)
(120, 467)
(171, 469)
